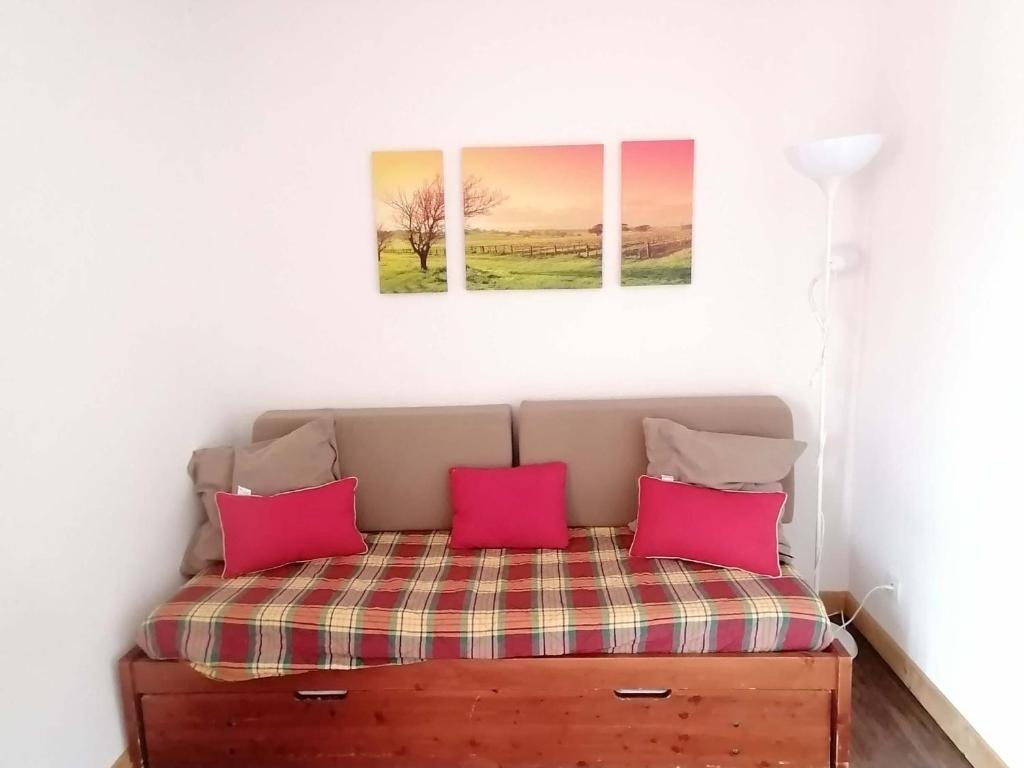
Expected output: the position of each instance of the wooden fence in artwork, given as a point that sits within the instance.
(652, 249)
(582, 249)
(435, 250)
(637, 251)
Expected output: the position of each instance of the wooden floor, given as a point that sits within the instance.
(890, 729)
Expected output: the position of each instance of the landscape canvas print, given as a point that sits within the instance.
(408, 202)
(533, 216)
(657, 212)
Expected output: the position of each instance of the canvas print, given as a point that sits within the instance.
(408, 201)
(657, 212)
(533, 216)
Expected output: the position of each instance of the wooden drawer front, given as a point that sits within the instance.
(752, 729)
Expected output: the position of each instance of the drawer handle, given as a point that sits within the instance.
(642, 693)
(321, 695)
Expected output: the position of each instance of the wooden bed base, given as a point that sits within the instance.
(726, 710)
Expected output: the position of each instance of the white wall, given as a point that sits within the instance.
(104, 377)
(939, 413)
(186, 240)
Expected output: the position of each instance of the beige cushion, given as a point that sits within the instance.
(303, 458)
(602, 441)
(717, 459)
(211, 471)
(721, 460)
(402, 456)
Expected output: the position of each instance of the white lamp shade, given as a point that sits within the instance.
(830, 160)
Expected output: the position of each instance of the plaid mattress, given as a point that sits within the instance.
(411, 598)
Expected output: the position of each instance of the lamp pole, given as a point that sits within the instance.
(829, 187)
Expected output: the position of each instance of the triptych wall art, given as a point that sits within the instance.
(533, 216)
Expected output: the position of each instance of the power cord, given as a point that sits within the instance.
(890, 587)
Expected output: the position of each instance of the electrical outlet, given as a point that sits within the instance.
(894, 583)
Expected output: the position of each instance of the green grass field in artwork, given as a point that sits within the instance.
(516, 272)
(656, 256)
(400, 272)
(673, 269)
(532, 260)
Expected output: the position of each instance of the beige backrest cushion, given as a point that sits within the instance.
(718, 459)
(602, 441)
(402, 456)
(301, 458)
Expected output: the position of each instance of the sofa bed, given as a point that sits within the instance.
(417, 653)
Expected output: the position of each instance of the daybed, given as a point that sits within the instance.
(416, 654)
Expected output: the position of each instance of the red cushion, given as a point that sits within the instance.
(729, 529)
(522, 507)
(263, 532)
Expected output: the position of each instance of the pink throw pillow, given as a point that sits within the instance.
(729, 529)
(262, 532)
(520, 507)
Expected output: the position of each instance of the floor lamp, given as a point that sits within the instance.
(828, 163)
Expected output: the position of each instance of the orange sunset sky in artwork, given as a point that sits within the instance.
(544, 187)
(395, 172)
(657, 183)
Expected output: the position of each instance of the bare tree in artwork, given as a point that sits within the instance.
(421, 214)
(383, 238)
(477, 199)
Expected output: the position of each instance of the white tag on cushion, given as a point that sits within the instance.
(243, 491)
